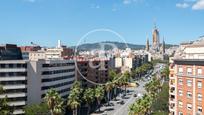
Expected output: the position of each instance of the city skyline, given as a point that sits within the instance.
(44, 22)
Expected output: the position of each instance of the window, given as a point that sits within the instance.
(180, 113)
(180, 81)
(189, 94)
(199, 97)
(180, 70)
(189, 71)
(180, 103)
(199, 84)
(180, 93)
(189, 106)
(200, 109)
(189, 82)
(199, 71)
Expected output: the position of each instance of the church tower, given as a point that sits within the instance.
(147, 45)
(163, 46)
(155, 38)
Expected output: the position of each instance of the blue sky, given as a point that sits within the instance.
(46, 21)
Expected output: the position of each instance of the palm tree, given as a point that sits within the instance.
(74, 97)
(88, 97)
(136, 108)
(125, 78)
(54, 102)
(165, 73)
(108, 88)
(99, 94)
(112, 75)
(153, 87)
(73, 102)
(141, 106)
(146, 103)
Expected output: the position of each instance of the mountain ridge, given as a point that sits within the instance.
(119, 45)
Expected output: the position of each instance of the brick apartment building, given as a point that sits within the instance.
(186, 83)
(94, 74)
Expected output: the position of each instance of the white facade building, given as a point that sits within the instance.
(46, 74)
(13, 78)
(26, 82)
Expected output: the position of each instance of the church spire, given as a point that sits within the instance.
(155, 24)
(147, 44)
(163, 46)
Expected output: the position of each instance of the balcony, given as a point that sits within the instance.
(18, 86)
(13, 70)
(172, 83)
(17, 103)
(172, 98)
(172, 90)
(13, 78)
(17, 112)
(13, 95)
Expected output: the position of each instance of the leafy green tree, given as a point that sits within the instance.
(54, 102)
(99, 94)
(37, 109)
(153, 87)
(141, 106)
(112, 75)
(160, 103)
(165, 73)
(1, 89)
(74, 99)
(88, 97)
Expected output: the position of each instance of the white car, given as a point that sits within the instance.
(139, 95)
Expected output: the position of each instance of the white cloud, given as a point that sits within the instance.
(132, 1)
(127, 1)
(190, 0)
(30, 1)
(95, 6)
(199, 5)
(182, 5)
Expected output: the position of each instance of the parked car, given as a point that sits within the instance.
(122, 102)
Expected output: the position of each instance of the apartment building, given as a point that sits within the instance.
(13, 78)
(94, 70)
(27, 49)
(26, 82)
(46, 74)
(186, 83)
(128, 63)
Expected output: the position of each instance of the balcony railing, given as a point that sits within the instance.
(172, 99)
